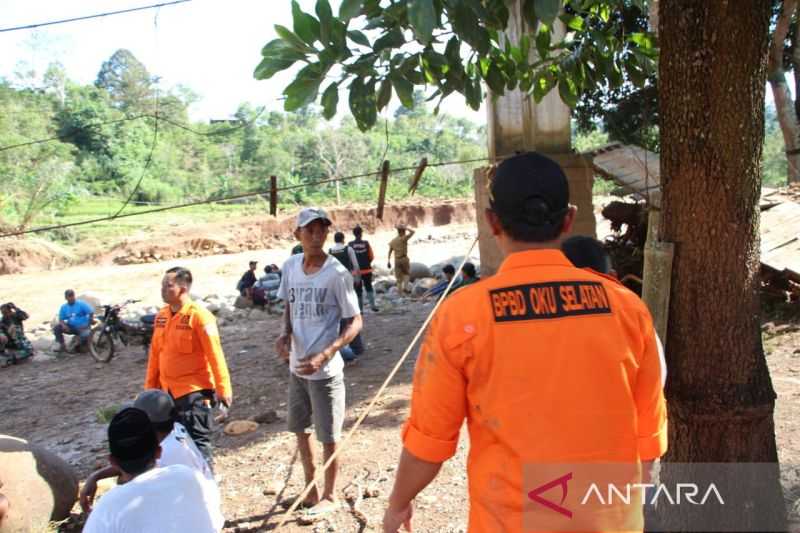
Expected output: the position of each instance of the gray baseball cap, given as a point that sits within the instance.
(157, 404)
(310, 214)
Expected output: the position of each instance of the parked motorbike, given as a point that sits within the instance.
(112, 330)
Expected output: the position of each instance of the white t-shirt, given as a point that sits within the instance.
(317, 303)
(170, 499)
(178, 448)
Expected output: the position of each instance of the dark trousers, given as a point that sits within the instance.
(366, 283)
(194, 412)
(357, 344)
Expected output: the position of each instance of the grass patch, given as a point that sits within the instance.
(105, 414)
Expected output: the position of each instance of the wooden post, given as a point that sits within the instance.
(382, 191)
(417, 175)
(657, 275)
(273, 195)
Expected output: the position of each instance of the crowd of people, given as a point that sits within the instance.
(553, 318)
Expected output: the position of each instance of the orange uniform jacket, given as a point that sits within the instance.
(548, 363)
(186, 353)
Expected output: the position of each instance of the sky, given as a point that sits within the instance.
(210, 46)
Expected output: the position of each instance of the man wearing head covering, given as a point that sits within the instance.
(553, 367)
(402, 264)
(318, 292)
(149, 499)
(177, 447)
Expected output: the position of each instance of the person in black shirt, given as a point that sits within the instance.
(245, 285)
(364, 256)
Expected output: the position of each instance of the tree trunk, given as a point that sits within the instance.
(785, 107)
(711, 91)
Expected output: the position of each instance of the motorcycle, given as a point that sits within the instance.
(112, 329)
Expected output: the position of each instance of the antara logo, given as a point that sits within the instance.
(535, 495)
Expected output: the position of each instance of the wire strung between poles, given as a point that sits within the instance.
(352, 430)
(234, 197)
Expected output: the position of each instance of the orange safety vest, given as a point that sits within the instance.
(549, 364)
(186, 353)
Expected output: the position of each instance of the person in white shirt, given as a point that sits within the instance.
(149, 499)
(177, 448)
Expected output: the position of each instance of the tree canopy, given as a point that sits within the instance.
(455, 46)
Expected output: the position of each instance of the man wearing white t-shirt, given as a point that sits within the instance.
(318, 292)
(177, 448)
(149, 499)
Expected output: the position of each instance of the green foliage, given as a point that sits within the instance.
(456, 47)
(104, 145)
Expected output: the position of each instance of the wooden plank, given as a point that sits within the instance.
(382, 190)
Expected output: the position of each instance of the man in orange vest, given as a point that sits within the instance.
(186, 359)
(548, 363)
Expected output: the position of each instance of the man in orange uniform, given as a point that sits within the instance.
(548, 363)
(186, 359)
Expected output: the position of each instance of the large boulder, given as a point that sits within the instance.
(383, 285)
(96, 300)
(423, 285)
(40, 486)
(419, 271)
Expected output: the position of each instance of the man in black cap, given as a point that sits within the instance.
(548, 363)
(177, 448)
(148, 499)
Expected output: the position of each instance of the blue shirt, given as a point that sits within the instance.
(76, 315)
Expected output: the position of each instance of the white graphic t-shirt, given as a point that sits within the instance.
(317, 303)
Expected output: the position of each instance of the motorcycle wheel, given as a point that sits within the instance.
(102, 346)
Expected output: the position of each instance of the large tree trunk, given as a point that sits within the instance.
(785, 107)
(711, 91)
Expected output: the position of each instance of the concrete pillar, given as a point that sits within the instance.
(517, 123)
(580, 176)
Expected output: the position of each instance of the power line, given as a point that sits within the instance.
(155, 132)
(230, 198)
(120, 12)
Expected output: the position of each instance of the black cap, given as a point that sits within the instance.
(529, 189)
(131, 435)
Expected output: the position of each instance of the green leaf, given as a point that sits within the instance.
(269, 66)
(453, 50)
(358, 37)
(473, 93)
(404, 90)
(350, 9)
(641, 39)
(291, 39)
(303, 90)
(279, 49)
(422, 18)
(330, 100)
(384, 93)
(391, 39)
(338, 37)
(546, 10)
(325, 15)
(468, 27)
(278, 56)
(543, 42)
(305, 26)
(495, 80)
(576, 23)
(568, 91)
(362, 104)
(543, 84)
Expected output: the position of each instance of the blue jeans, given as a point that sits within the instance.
(84, 333)
(354, 349)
